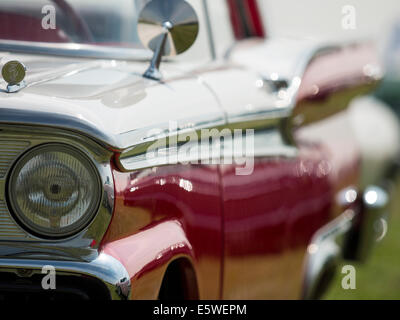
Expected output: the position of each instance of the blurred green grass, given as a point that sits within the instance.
(379, 278)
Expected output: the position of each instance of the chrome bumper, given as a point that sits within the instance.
(106, 269)
(351, 236)
(370, 225)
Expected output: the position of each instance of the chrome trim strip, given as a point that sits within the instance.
(114, 142)
(104, 268)
(211, 38)
(54, 120)
(324, 252)
(328, 245)
(75, 50)
(269, 141)
(137, 137)
(262, 115)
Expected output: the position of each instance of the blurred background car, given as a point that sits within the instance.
(377, 22)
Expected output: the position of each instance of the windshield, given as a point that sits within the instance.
(95, 22)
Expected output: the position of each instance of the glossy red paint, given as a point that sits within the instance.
(21, 27)
(255, 19)
(246, 19)
(270, 218)
(166, 213)
(245, 236)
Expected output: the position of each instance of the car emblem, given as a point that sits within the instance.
(14, 73)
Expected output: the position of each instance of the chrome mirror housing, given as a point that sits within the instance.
(168, 28)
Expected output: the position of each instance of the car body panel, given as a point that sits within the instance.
(118, 103)
(244, 236)
(167, 213)
(269, 217)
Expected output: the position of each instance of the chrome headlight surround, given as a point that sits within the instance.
(82, 246)
(58, 190)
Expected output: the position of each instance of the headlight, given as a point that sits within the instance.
(54, 190)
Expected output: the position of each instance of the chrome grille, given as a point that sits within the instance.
(9, 151)
(8, 228)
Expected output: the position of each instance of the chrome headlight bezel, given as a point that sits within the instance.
(77, 226)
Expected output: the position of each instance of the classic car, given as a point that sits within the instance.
(169, 149)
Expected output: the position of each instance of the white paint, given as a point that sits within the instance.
(318, 19)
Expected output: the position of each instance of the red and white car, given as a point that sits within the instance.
(80, 191)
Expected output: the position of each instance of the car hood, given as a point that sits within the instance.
(106, 99)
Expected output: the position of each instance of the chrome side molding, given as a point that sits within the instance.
(211, 146)
(323, 255)
(75, 50)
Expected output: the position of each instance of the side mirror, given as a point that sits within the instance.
(168, 28)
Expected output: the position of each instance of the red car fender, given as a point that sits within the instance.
(146, 260)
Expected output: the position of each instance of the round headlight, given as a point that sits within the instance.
(54, 190)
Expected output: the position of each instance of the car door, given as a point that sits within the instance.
(301, 125)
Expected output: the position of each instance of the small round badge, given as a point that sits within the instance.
(13, 72)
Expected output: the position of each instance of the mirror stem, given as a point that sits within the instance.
(153, 72)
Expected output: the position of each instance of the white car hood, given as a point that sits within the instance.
(105, 99)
